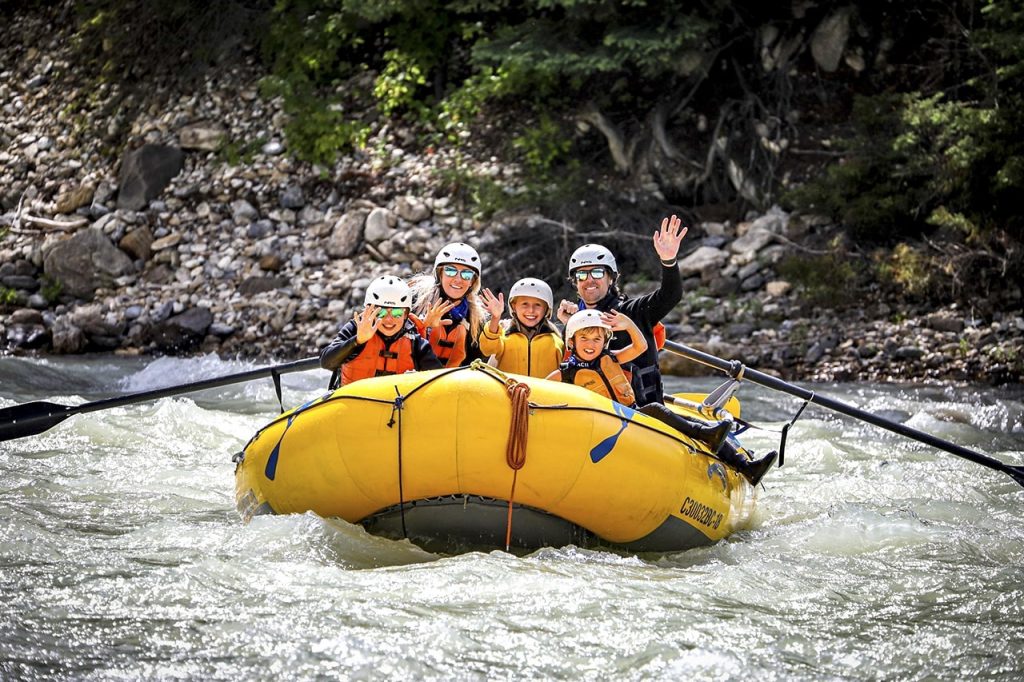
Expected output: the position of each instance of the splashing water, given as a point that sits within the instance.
(870, 556)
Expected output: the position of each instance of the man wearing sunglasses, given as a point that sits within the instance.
(380, 339)
(594, 274)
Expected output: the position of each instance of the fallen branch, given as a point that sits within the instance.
(65, 225)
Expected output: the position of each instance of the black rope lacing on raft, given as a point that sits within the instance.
(397, 407)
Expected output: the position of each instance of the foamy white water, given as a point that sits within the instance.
(871, 556)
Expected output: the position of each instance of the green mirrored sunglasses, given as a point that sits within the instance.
(395, 312)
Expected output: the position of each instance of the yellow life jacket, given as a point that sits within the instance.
(603, 375)
(536, 356)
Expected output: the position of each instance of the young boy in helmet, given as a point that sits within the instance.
(380, 339)
(591, 363)
(447, 308)
(528, 343)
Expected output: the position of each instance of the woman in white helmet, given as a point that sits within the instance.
(591, 363)
(528, 343)
(594, 273)
(447, 308)
(380, 339)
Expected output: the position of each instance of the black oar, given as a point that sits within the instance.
(29, 419)
(737, 370)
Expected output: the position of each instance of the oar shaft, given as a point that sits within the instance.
(777, 384)
(29, 419)
(216, 382)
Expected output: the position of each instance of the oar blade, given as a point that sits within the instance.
(30, 419)
(1016, 473)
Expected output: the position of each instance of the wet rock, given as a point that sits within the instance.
(85, 262)
(67, 338)
(27, 336)
(182, 332)
(145, 172)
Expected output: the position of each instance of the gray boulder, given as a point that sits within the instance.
(85, 262)
(145, 172)
(346, 234)
(183, 332)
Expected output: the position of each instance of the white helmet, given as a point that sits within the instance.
(388, 291)
(458, 252)
(533, 287)
(592, 254)
(584, 319)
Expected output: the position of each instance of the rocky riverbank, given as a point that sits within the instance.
(204, 235)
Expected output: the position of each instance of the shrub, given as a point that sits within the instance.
(828, 279)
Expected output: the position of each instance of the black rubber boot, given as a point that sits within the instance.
(712, 434)
(755, 469)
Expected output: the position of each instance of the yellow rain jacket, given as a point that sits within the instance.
(517, 353)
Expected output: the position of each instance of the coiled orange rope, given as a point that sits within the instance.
(518, 431)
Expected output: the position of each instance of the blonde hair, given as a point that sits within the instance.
(426, 291)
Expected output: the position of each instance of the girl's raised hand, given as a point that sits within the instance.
(436, 312)
(668, 238)
(367, 323)
(495, 305)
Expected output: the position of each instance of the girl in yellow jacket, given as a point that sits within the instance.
(529, 343)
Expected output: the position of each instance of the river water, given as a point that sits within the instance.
(870, 556)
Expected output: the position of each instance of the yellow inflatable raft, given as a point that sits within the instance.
(469, 457)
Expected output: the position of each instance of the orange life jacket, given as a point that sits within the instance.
(659, 333)
(379, 358)
(607, 378)
(448, 343)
